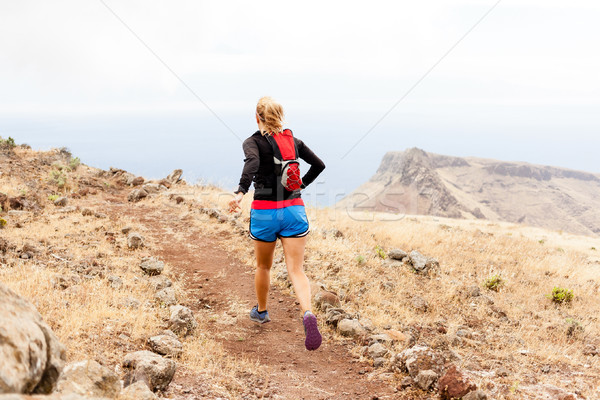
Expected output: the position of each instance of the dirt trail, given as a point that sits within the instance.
(213, 277)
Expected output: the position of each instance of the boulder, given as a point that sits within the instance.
(379, 362)
(418, 358)
(135, 240)
(182, 320)
(325, 299)
(174, 176)
(152, 266)
(137, 181)
(426, 379)
(377, 350)
(137, 194)
(155, 371)
(350, 328)
(454, 384)
(88, 378)
(166, 296)
(382, 338)
(31, 357)
(137, 391)
(166, 345)
(397, 254)
(151, 188)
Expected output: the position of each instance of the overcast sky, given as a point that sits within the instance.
(526, 75)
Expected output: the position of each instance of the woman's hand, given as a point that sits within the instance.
(235, 203)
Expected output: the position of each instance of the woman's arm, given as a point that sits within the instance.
(251, 164)
(316, 164)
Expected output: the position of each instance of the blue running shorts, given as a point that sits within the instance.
(270, 224)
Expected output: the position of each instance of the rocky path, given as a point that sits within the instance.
(215, 279)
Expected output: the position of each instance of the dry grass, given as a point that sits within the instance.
(531, 261)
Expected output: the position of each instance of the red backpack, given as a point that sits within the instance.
(285, 157)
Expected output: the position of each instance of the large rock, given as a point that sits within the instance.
(454, 384)
(350, 327)
(166, 345)
(88, 378)
(420, 263)
(325, 299)
(182, 320)
(150, 368)
(158, 282)
(152, 266)
(31, 357)
(419, 358)
(334, 315)
(137, 391)
(377, 350)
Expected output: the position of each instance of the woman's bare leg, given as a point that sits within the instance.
(293, 249)
(262, 280)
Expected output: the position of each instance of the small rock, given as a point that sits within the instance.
(502, 372)
(88, 378)
(406, 382)
(397, 254)
(418, 358)
(334, 315)
(150, 368)
(126, 230)
(135, 240)
(166, 345)
(137, 391)
(325, 299)
(166, 296)
(350, 327)
(61, 202)
(174, 176)
(152, 266)
(137, 181)
(115, 282)
(137, 194)
(130, 302)
(159, 282)
(100, 215)
(86, 212)
(381, 338)
(454, 384)
(151, 188)
(420, 263)
(379, 362)
(377, 350)
(476, 395)
(419, 304)
(182, 321)
(473, 291)
(426, 379)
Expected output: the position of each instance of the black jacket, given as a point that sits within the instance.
(260, 168)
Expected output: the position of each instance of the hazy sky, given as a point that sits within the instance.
(524, 84)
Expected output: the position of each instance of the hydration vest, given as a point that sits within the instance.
(285, 157)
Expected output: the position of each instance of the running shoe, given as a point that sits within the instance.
(260, 317)
(311, 330)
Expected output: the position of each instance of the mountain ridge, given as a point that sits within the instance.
(418, 182)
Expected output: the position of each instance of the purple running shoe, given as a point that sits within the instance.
(311, 330)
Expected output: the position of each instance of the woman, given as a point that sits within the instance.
(277, 212)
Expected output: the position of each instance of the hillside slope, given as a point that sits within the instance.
(417, 182)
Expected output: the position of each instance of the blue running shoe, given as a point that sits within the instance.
(260, 317)
(311, 330)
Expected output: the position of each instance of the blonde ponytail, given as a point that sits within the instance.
(270, 114)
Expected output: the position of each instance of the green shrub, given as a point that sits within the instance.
(380, 252)
(573, 327)
(360, 259)
(58, 177)
(7, 144)
(2, 223)
(494, 282)
(561, 295)
(53, 197)
(74, 163)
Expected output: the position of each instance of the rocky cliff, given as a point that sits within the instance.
(417, 182)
